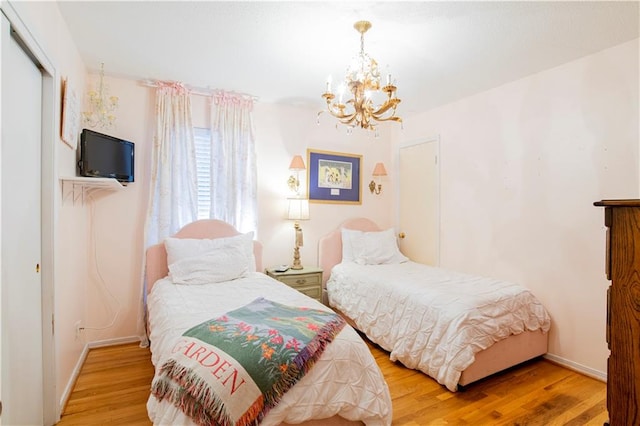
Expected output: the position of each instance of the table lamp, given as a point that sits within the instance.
(298, 209)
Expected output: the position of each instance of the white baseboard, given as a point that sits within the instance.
(587, 371)
(113, 342)
(83, 357)
(74, 377)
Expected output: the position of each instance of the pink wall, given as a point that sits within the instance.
(281, 132)
(117, 223)
(521, 166)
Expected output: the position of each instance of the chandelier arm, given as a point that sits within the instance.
(340, 115)
(343, 119)
(392, 118)
(384, 109)
(337, 109)
(348, 119)
(390, 104)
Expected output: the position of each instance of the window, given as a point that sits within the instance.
(226, 182)
(202, 139)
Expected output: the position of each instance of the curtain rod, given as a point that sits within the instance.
(202, 91)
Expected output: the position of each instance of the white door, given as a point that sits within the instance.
(419, 207)
(20, 250)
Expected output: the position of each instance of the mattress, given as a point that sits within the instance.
(345, 381)
(432, 319)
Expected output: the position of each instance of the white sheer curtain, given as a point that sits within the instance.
(233, 161)
(173, 190)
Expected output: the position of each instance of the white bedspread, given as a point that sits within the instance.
(345, 381)
(432, 319)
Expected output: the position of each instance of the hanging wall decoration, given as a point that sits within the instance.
(70, 115)
(333, 177)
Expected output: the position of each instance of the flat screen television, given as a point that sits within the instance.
(106, 156)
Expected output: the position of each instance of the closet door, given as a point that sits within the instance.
(20, 235)
(419, 207)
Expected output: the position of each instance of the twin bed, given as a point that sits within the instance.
(454, 327)
(208, 272)
(345, 386)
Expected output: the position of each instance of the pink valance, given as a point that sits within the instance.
(221, 97)
(176, 86)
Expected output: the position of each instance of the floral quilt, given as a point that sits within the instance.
(231, 370)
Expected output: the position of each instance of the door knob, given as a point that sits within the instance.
(401, 235)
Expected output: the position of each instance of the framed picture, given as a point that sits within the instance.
(70, 115)
(333, 177)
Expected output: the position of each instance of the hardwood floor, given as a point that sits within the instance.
(113, 388)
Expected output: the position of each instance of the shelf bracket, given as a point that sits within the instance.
(79, 188)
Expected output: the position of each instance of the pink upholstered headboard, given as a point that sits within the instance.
(156, 255)
(330, 246)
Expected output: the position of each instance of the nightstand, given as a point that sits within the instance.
(307, 280)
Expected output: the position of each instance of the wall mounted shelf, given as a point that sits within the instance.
(79, 188)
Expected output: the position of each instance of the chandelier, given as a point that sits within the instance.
(363, 82)
(101, 108)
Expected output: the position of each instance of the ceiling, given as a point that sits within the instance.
(283, 52)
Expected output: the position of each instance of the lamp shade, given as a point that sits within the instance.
(298, 209)
(297, 163)
(379, 170)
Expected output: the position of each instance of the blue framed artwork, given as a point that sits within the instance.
(333, 177)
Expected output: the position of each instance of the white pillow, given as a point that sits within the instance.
(349, 240)
(214, 266)
(377, 248)
(181, 248)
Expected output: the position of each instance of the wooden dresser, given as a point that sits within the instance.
(622, 219)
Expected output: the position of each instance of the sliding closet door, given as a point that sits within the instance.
(419, 201)
(20, 250)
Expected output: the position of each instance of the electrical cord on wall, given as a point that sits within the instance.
(97, 269)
